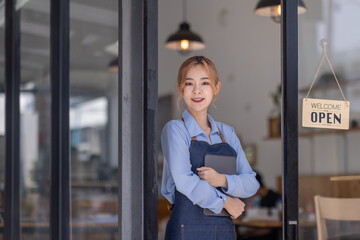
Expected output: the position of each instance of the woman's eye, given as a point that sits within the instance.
(205, 83)
(188, 84)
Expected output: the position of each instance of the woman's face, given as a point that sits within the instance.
(198, 92)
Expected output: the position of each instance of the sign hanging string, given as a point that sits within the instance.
(332, 70)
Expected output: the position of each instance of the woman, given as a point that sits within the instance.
(186, 183)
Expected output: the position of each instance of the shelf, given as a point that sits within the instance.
(324, 87)
(272, 138)
(320, 132)
(328, 85)
(328, 131)
(345, 178)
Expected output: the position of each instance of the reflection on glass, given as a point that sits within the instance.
(35, 120)
(324, 154)
(93, 120)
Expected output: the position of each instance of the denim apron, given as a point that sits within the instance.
(187, 221)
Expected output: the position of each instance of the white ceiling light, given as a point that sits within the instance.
(112, 48)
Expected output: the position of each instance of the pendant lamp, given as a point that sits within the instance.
(113, 65)
(184, 40)
(272, 8)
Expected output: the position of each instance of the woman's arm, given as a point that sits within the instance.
(244, 184)
(176, 153)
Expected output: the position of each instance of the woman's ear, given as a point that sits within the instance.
(181, 93)
(217, 87)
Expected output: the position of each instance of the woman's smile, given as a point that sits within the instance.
(197, 100)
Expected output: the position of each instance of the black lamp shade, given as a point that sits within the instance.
(113, 65)
(194, 41)
(266, 8)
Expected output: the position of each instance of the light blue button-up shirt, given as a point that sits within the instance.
(175, 142)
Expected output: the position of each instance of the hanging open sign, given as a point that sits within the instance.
(321, 113)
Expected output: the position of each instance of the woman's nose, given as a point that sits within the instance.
(197, 88)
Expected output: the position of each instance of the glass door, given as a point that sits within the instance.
(329, 165)
(35, 128)
(66, 131)
(94, 119)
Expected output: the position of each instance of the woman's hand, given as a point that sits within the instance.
(214, 178)
(234, 206)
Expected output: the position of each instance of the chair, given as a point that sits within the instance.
(343, 209)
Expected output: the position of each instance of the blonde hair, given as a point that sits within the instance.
(189, 63)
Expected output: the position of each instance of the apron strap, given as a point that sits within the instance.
(221, 135)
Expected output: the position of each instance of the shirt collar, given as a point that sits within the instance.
(193, 127)
(214, 127)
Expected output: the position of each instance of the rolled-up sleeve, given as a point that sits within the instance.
(244, 184)
(177, 169)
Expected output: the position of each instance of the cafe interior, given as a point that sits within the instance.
(244, 42)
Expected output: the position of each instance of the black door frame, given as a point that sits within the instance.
(289, 117)
(60, 127)
(12, 122)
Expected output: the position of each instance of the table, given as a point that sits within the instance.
(266, 224)
(270, 224)
(346, 237)
(258, 223)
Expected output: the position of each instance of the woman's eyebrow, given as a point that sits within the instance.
(203, 78)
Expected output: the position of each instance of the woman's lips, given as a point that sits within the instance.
(197, 100)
